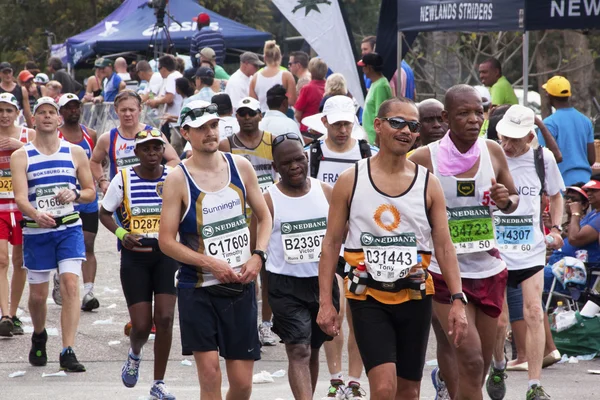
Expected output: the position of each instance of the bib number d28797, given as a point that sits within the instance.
(228, 240)
(6, 187)
(45, 200)
(145, 221)
(471, 229)
(514, 233)
(389, 258)
(302, 240)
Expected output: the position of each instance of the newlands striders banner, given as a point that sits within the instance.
(321, 24)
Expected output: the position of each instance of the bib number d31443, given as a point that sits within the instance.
(471, 229)
(302, 240)
(389, 258)
(228, 240)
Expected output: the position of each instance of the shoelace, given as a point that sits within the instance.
(357, 391)
(539, 391)
(162, 388)
(132, 366)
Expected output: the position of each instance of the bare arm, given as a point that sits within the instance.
(549, 140)
(251, 89)
(591, 153)
(99, 154)
(26, 108)
(93, 135)
(84, 175)
(579, 236)
(170, 154)
(422, 156)
(290, 85)
(225, 146)
(556, 209)
(122, 86)
(503, 187)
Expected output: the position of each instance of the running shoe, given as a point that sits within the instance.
(89, 302)
(37, 354)
(337, 390)
(56, 291)
(495, 384)
(159, 391)
(130, 373)
(550, 359)
(6, 326)
(441, 391)
(17, 326)
(69, 363)
(266, 335)
(537, 393)
(354, 392)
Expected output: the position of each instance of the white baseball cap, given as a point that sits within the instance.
(339, 108)
(150, 134)
(517, 122)
(9, 98)
(44, 100)
(67, 98)
(486, 97)
(249, 102)
(41, 78)
(198, 112)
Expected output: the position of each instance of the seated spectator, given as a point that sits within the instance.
(113, 83)
(121, 69)
(312, 93)
(93, 86)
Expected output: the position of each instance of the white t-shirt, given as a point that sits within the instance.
(169, 87)
(114, 194)
(124, 76)
(238, 87)
(278, 123)
(153, 86)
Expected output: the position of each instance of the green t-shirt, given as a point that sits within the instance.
(379, 92)
(503, 93)
(220, 73)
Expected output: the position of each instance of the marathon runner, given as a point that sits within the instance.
(396, 215)
(12, 137)
(475, 178)
(146, 272)
(255, 145)
(522, 244)
(79, 134)
(45, 173)
(299, 206)
(328, 158)
(216, 293)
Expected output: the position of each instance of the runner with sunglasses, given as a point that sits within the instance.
(146, 272)
(396, 216)
(299, 206)
(476, 181)
(255, 145)
(204, 201)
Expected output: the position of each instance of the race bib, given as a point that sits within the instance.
(145, 221)
(389, 258)
(6, 187)
(471, 229)
(265, 182)
(514, 233)
(46, 202)
(125, 162)
(302, 240)
(228, 240)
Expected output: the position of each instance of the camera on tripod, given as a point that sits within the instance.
(159, 7)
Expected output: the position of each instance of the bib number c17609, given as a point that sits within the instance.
(228, 240)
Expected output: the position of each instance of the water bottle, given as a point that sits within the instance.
(417, 275)
(549, 239)
(359, 272)
(559, 309)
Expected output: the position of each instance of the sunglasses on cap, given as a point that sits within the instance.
(246, 111)
(199, 112)
(281, 138)
(152, 132)
(400, 123)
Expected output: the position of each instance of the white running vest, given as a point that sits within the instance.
(299, 225)
(388, 230)
(329, 170)
(469, 209)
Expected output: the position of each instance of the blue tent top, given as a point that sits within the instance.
(129, 28)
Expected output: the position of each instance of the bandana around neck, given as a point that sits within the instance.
(452, 162)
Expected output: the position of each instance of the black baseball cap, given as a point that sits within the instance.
(205, 72)
(371, 59)
(223, 102)
(5, 65)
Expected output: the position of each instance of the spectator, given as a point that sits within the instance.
(54, 90)
(150, 81)
(311, 95)
(208, 55)
(205, 78)
(113, 83)
(379, 92)
(41, 79)
(184, 88)
(32, 67)
(33, 91)
(8, 85)
(490, 74)
(121, 69)
(486, 102)
(573, 132)
(69, 85)
(131, 70)
(367, 46)
(93, 87)
(298, 66)
(272, 75)
(433, 126)
(207, 36)
(239, 83)
(407, 79)
(275, 121)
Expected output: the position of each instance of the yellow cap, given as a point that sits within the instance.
(558, 86)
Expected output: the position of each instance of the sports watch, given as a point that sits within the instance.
(262, 255)
(459, 296)
(77, 194)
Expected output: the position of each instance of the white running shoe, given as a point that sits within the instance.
(266, 335)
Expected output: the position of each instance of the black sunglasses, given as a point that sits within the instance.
(199, 112)
(400, 123)
(246, 111)
(281, 138)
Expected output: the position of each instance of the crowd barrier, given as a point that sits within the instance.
(102, 117)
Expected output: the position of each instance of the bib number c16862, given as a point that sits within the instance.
(471, 229)
(45, 200)
(514, 233)
(228, 240)
(302, 240)
(389, 258)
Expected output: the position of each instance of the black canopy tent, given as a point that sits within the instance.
(413, 16)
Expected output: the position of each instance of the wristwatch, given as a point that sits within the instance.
(459, 296)
(262, 255)
(77, 194)
(558, 228)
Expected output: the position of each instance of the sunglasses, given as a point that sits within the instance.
(400, 123)
(281, 138)
(152, 132)
(199, 112)
(246, 111)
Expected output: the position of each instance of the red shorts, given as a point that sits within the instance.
(10, 229)
(487, 294)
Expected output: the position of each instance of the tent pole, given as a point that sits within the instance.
(399, 64)
(525, 67)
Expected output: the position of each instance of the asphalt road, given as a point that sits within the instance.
(102, 347)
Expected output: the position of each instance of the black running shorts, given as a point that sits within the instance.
(89, 222)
